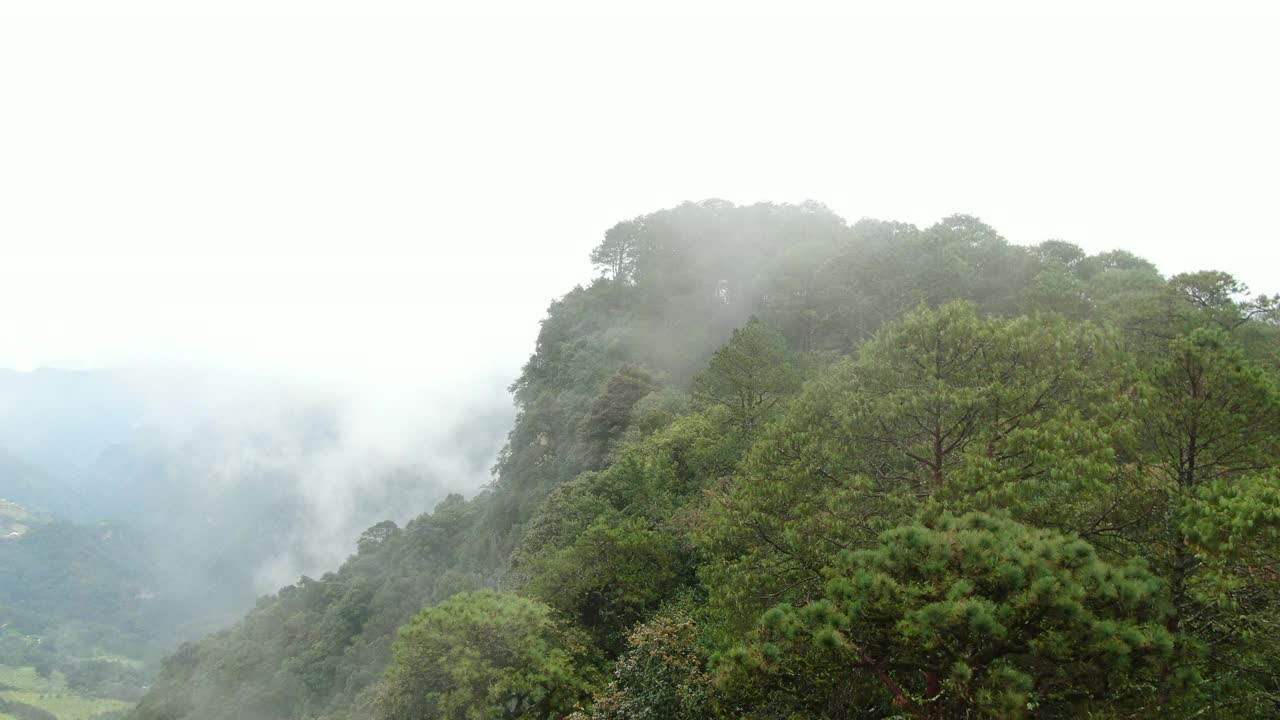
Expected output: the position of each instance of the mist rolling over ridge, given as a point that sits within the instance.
(700, 360)
(283, 474)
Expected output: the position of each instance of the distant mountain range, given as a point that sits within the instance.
(35, 489)
(61, 420)
(139, 509)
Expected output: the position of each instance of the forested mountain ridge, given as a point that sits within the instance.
(772, 465)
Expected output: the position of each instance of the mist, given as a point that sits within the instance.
(302, 467)
(274, 273)
(395, 195)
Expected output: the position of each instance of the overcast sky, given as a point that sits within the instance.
(394, 196)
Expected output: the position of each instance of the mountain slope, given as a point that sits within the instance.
(22, 483)
(669, 477)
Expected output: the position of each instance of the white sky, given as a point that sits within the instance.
(296, 187)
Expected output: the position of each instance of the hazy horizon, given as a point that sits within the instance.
(339, 197)
(603, 360)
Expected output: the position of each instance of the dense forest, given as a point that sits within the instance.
(773, 465)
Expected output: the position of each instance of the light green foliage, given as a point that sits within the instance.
(1071, 472)
(1233, 526)
(1239, 522)
(979, 616)
(1208, 412)
(485, 655)
(943, 403)
(749, 375)
(25, 694)
(1230, 589)
(662, 675)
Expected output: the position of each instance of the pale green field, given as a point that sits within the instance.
(13, 518)
(51, 695)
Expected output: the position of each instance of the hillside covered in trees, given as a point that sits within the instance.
(773, 465)
(142, 508)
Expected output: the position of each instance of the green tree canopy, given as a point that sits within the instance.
(749, 375)
(942, 403)
(485, 655)
(979, 616)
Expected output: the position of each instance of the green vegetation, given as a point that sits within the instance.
(26, 694)
(74, 613)
(485, 654)
(15, 520)
(773, 466)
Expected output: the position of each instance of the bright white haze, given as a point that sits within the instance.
(381, 206)
(396, 198)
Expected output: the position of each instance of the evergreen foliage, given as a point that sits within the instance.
(485, 655)
(774, 466)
